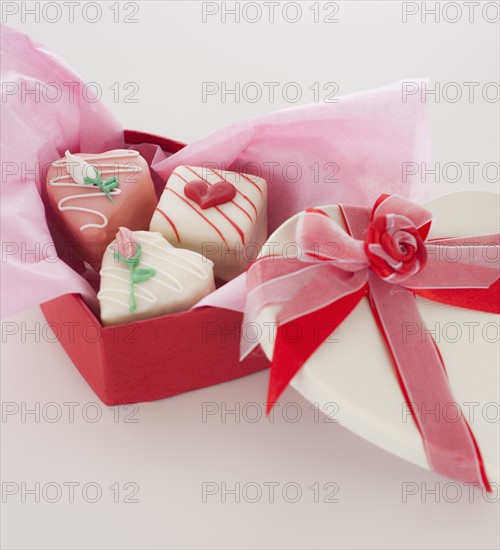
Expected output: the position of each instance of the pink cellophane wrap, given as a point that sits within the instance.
(367, 135)
(36, 132)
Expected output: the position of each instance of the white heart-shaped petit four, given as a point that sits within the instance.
(144, 276)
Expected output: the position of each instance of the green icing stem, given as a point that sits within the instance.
(133, 306)
(137, 274)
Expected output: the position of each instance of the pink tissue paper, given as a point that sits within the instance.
(346, 152)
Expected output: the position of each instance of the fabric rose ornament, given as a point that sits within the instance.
(395, 247)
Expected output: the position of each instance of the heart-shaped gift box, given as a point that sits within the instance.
(153, 358)
(351, 376)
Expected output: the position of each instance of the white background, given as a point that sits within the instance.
(171, 451)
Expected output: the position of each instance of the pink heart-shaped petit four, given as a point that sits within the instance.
(93, 195)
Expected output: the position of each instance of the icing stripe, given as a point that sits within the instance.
(196, 210)
(231, 221)
(178, 254)
(104, 156)
(114, 168)
(251, 181)
(234, 224)
(237, 190)
(171, 224)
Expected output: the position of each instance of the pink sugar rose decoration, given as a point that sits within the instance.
(126, 242)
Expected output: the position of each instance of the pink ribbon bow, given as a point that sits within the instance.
(385, 256)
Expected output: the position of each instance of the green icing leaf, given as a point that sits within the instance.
(105, 186)
(110, 184)
(141, 274)
(92, 181)
(126, 261)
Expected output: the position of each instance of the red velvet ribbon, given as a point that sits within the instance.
(382, 256)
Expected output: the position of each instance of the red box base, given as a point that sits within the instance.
(154, 358)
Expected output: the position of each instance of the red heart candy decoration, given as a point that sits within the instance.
(209, 195)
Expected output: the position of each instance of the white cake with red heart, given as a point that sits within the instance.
(219, 214)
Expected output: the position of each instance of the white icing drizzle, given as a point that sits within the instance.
(139, 290)
(148, 240)
(110, 168)
(104, 156)
(104, 218)
(198, 271)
